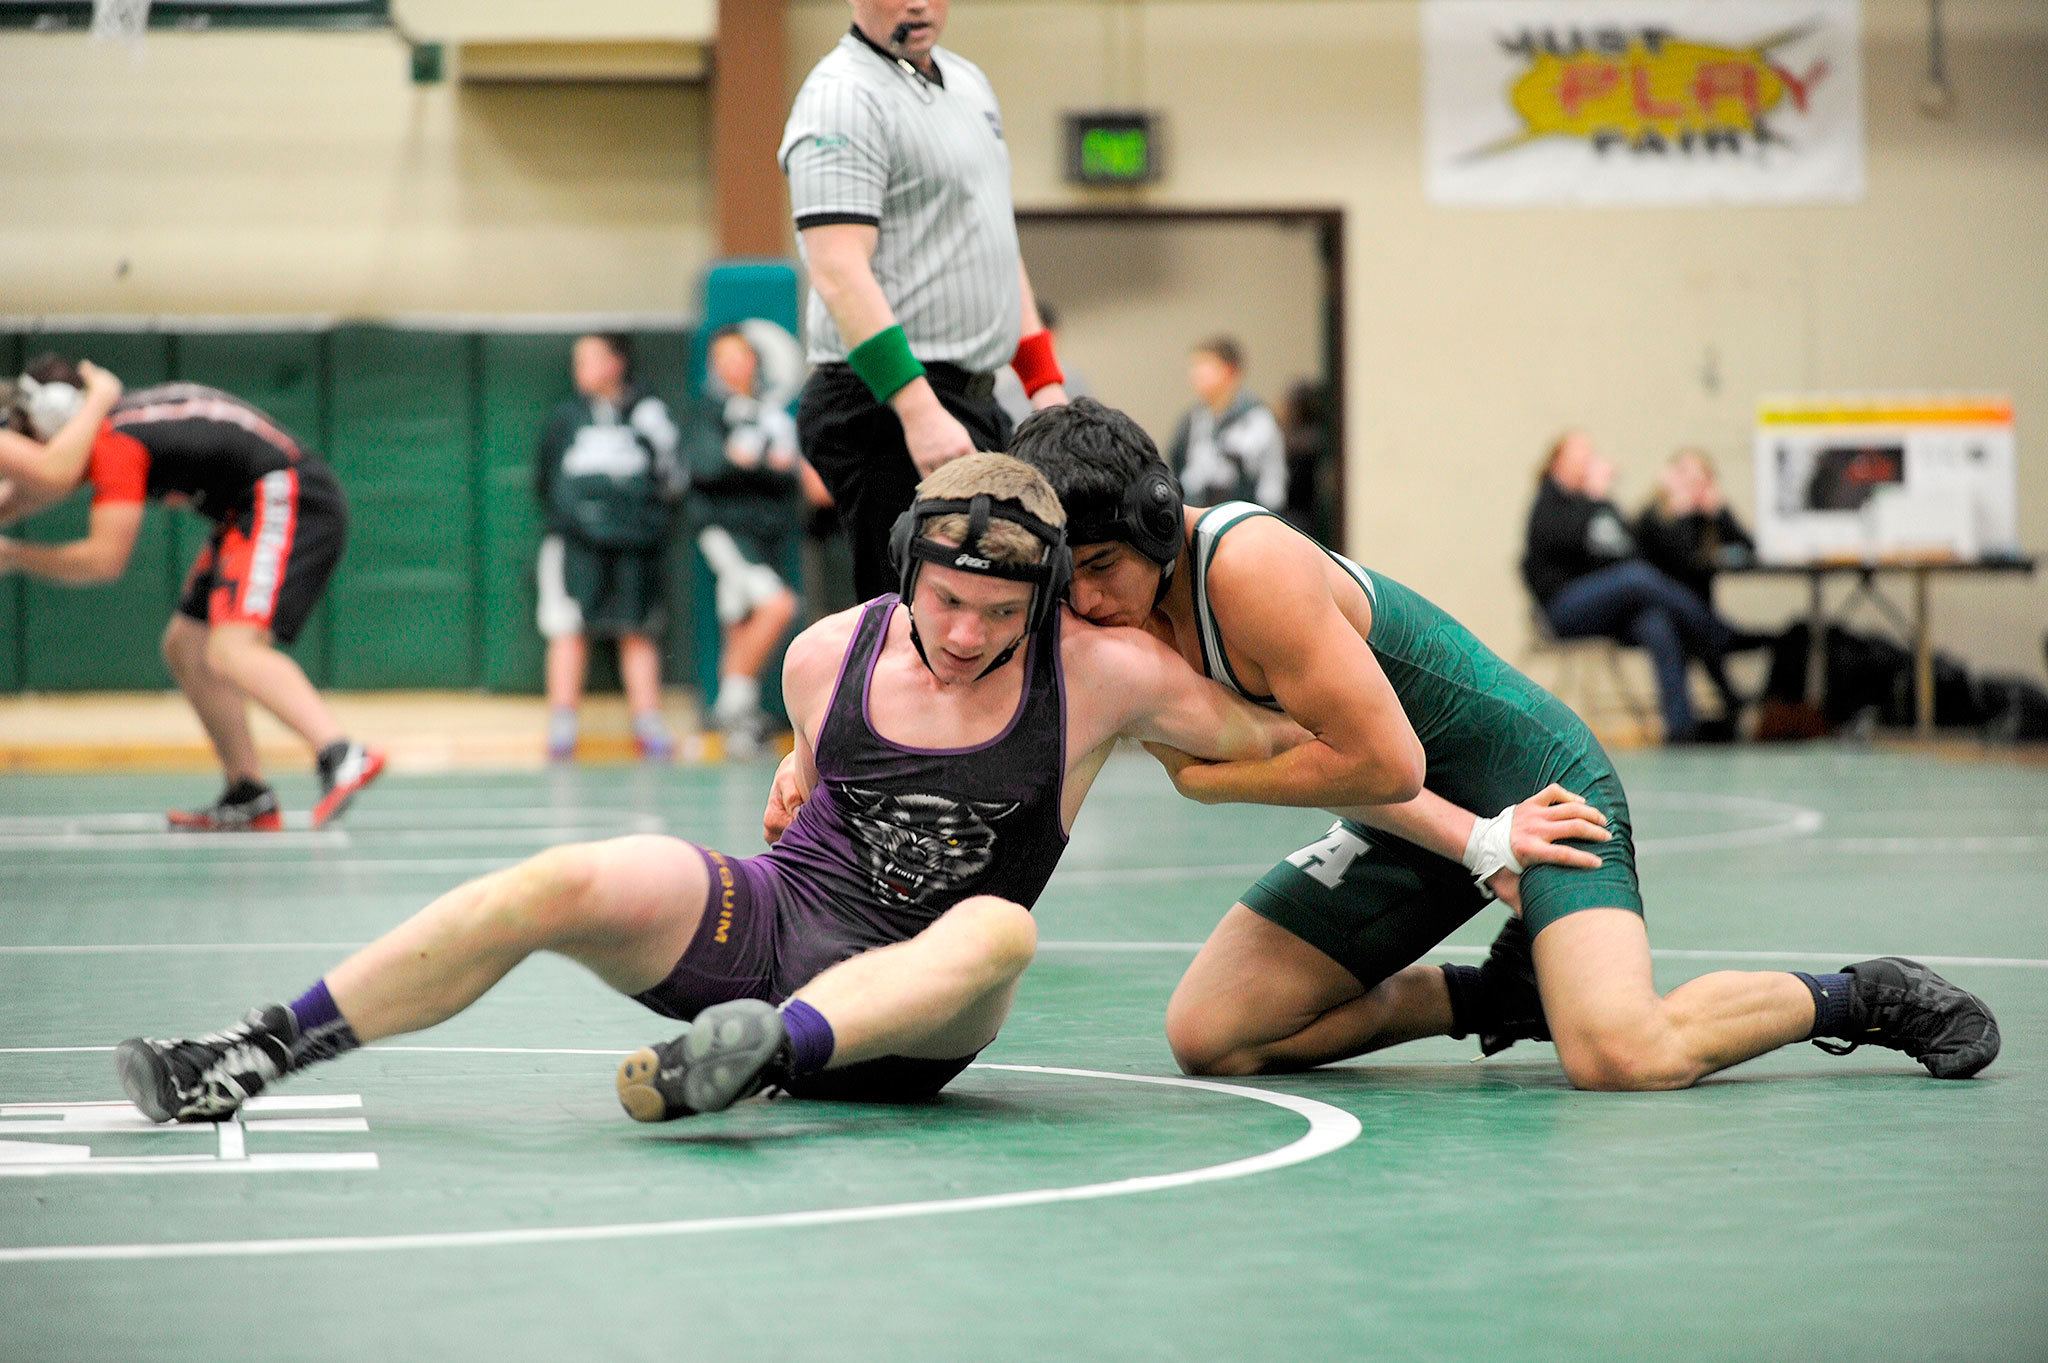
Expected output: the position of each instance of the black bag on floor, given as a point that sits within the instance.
(1868, 673)
(1862, 672)
(1955, 696)
(2015, 709)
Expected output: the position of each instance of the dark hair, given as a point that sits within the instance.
(621, 345)
(1090, 453)
(50, 367)
(1048, 315)
(1224, 348)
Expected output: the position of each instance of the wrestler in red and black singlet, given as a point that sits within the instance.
(280, 521)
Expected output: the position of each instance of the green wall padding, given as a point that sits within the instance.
(401, 431)
(101, 637)
(520, 377)
(432, 435)
(663, 368)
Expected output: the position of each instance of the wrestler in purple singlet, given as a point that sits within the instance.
(892, 837)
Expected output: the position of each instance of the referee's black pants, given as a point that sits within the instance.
(856, 445)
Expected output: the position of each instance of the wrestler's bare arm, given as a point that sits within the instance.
(51, 469)
(808, 671)
(1271, 593)
(20, 500)
(101, 556)
(1124, 683)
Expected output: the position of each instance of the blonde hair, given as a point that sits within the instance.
(1665, 503)
(1002, 479)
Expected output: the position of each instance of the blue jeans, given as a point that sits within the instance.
(1637, 604)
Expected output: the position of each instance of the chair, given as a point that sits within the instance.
(1580, 665)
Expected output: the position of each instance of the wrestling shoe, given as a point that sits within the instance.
(1508, 980)
(245, 808)
(744, 736)
(208, 1078)
(562, 735)
(733, 1051)
(1903, 1005)
(345, 768)
(652, 739)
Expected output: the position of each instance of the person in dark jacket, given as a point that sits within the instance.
(1583, 566)
(607, 479)
(1687, 530)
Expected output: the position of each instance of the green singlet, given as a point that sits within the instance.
(1375, 902)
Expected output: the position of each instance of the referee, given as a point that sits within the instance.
(900, 184)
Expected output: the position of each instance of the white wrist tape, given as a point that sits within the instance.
(1490, 849)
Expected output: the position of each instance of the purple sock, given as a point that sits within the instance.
(323, 1032)
(810, 1037)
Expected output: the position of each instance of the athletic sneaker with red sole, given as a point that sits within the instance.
(256, 814)
(345, 780)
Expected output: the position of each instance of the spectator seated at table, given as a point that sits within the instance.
(1584, 567)
(1686, 528)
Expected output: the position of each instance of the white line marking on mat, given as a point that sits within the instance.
(1790, 822)
(333, 837)
(196, 1164)
(1107, 947)
(286, 841)
(1329, 1129)
(43, 1158)
(1657, 953)
(1995, 842)
(129, 869)
(349, 1100)
(207, 948)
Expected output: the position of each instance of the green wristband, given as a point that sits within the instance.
(884, 363)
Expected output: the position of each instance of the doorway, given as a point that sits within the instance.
(1134, 289)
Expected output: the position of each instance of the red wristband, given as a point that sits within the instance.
(1035, 363)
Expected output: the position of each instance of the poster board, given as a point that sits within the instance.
(1867, 477)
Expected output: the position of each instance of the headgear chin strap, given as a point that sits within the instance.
(1149, 520)
(48, 405)
(1049, 576)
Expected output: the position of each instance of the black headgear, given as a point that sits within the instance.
(1149, 520)
(1049, 577)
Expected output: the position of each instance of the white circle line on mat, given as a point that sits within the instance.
(1329, 1129)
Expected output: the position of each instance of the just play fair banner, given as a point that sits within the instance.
(1642, 101)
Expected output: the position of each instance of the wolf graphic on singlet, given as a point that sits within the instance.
(1490, 737)
(919, 845)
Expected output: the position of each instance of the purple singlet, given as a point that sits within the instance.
(891, 838)
(894, 836)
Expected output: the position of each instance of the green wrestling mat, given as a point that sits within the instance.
(475, 1192)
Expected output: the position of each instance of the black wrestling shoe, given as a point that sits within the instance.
(1508, 980)
(209, 1078)
(733, 1051)
(251, 809)
(1905, 1006)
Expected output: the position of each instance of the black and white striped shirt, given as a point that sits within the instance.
(870, 140)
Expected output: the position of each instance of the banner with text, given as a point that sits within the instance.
(1642, 101)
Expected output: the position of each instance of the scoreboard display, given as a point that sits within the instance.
(1112, 148)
